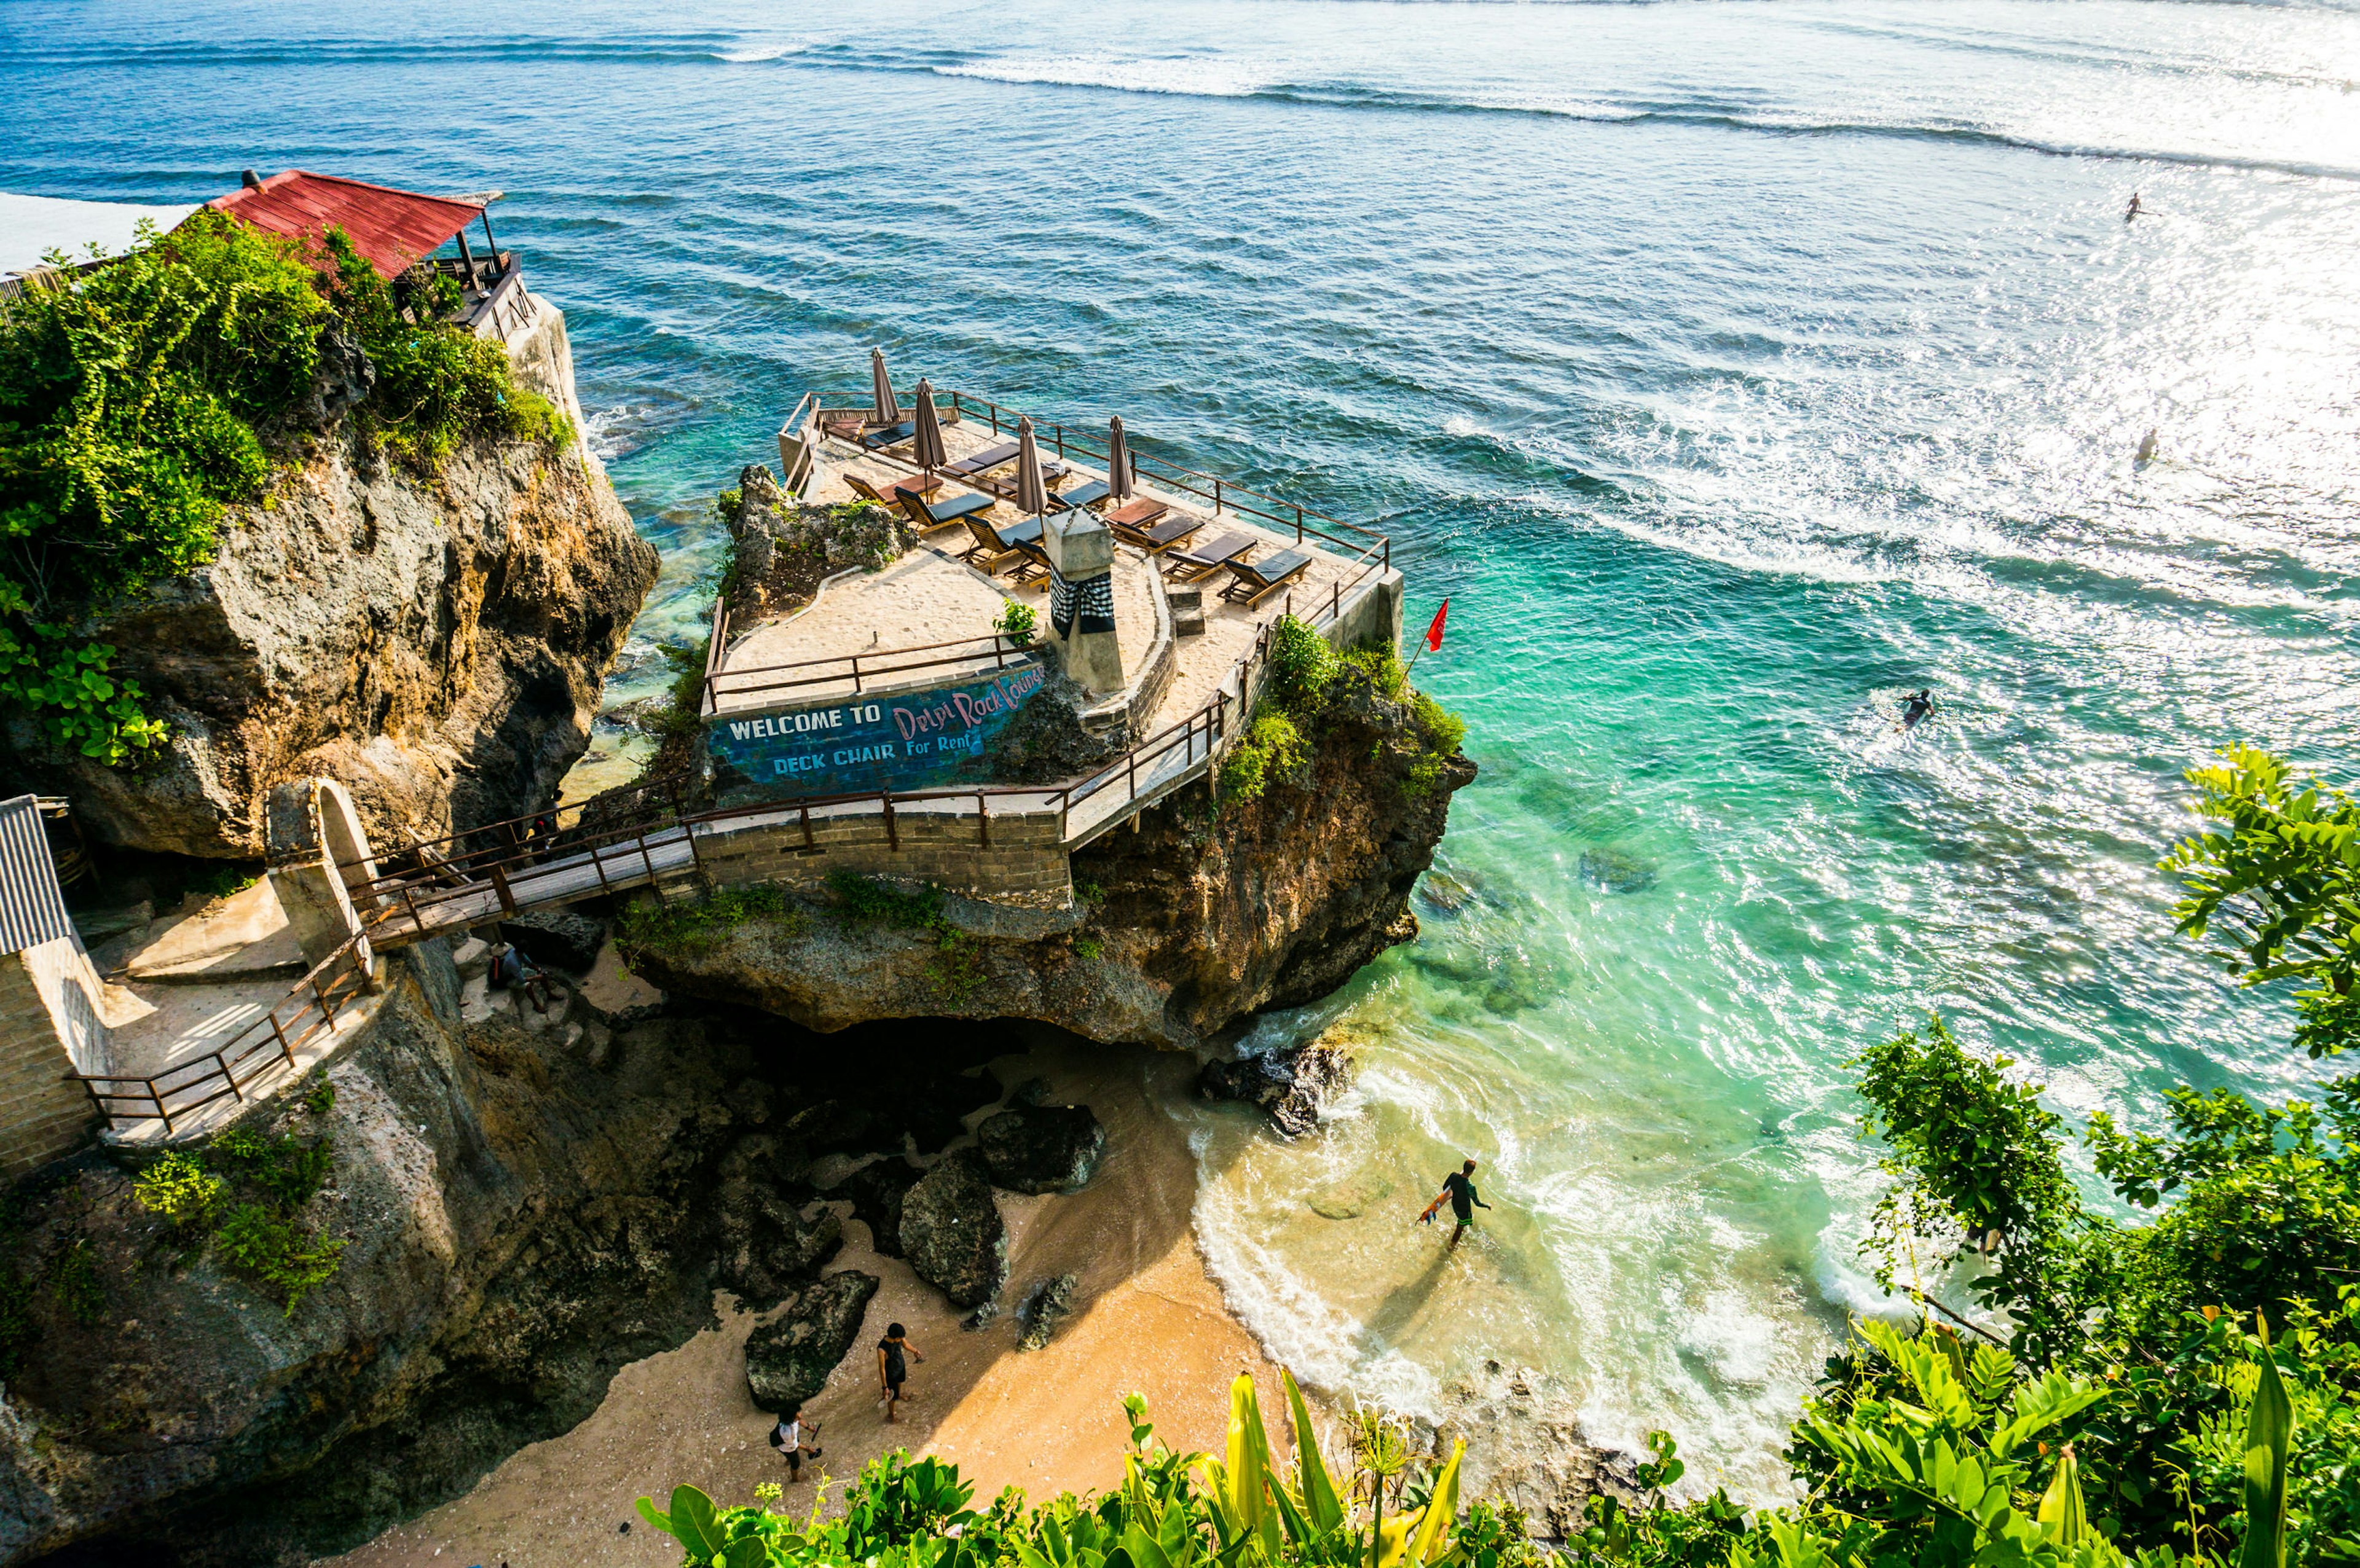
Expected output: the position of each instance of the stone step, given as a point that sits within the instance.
(1188, 623)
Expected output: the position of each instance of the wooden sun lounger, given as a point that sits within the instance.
(1081, 495)
(877, 440)
(1033, 565)
(889, 491)
(1157, 537)
(1004, 485)
(989, 457)
(1250, 582)
(994, 544)
(925, 514)
(1187, 565)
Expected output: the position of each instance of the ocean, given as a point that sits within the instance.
(1734, 367)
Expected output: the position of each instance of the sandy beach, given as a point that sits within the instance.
(1146, 1319)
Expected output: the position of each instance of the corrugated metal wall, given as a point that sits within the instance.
(32, 906)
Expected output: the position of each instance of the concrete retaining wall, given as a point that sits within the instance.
(1025, 860)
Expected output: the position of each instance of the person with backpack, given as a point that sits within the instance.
(791, 1437)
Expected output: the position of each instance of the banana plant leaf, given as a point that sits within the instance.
(2269, 1435)
(1320, 1505)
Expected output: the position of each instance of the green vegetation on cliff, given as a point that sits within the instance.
(1305, 677)
(140, 399)
(246, 1196)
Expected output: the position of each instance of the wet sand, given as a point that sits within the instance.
(1146, 1318)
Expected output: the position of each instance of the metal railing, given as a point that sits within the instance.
(998, 647)
(261, 1047)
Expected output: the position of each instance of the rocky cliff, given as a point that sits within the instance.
(436, 641)
(1190, 922)
(525, 1204)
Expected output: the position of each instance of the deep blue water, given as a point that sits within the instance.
(1736, 368)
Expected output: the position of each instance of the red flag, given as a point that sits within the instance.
(1434, 632)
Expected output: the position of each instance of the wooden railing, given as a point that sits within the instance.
(859, 666)
(263, 1046)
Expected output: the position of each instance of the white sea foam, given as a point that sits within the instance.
(1196, 78)
(758, 55)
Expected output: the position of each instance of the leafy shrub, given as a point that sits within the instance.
(264, 1183)
(1442, 729)
(275, 1251)
(179, 1188)
(1271, 751)
(652, 924)
(1383, 667)
(1090, 948)
(141, 399)
(1017, 622)
(1301, 663)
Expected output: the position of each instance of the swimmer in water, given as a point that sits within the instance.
(2135, 208)
(1915, 708)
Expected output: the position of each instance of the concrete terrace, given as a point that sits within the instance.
(929, 598)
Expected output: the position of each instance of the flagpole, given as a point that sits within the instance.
(1433, 638)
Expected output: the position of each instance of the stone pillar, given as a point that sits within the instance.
(314, 831)
(1081, 599)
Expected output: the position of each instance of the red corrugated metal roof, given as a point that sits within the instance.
(391, 228)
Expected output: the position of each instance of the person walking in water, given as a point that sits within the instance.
(1458, 1191)
(1919, 704)
(892, 1369)
(2135, 209)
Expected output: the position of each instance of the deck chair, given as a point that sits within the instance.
(1032, 562)
(1187, 565)
(1156, 537)
(924, 514)
(1084, 495)
(989, 457)
(888, 492)
(1250, 582)
(993, 543)
(877, 440)
(1004, 485)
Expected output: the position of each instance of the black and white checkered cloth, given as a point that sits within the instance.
(1091, 601)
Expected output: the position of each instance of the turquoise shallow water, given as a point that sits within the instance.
(1734, 368)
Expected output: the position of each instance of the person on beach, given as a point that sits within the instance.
(892, 1369)
(1915, 708)
(1458, 1191)
(791, 1438)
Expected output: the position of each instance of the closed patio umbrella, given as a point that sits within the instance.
(929, 453)
(1031, 495)
(1117, 461)
(888, 411)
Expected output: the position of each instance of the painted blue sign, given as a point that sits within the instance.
(914, 740)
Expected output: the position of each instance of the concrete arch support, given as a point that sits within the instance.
(320, 862)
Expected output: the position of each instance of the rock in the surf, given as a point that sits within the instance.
(1042, 1149)
(788, 1359)
(1290, 1085)
(952, 1233)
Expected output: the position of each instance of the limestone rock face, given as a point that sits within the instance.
(518, 1223)
(1042, 1149)
(789, 1358)
(435, 642)
(1194, 921)
(952, 1232)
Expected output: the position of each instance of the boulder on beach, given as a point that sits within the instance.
(1291, 1086)
(767, 1242)
(877, 1190)
(1042, 1149)
(952, 1233)
(1045, 1306)
(789, 1358)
